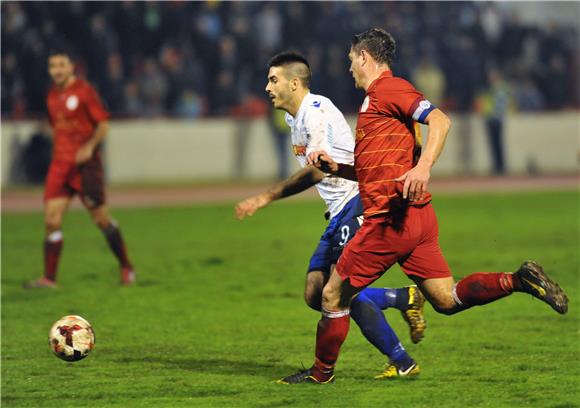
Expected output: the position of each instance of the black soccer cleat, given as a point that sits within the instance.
(303, 376)
(534, 281)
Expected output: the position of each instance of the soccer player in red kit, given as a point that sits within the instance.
(399, 222)
(80, 123)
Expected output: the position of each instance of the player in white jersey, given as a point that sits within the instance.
(319, 124)
(316, 124)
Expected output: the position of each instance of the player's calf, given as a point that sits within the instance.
(116, 243)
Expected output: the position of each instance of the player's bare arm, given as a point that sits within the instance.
(296, 183)
(325, 163)
(85, 152)
(416, 179)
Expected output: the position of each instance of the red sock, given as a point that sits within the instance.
(481, 288)
(332, 330)
(52, 250)
(115, 240)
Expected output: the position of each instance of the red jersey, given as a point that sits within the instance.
(387, 141)
(74, 112)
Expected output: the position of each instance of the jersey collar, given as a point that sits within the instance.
(303, 104)
(385, 74)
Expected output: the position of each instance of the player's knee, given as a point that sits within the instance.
(313, 290)
(102, 224)
(446, 306)
(53, 222)
(103, 221)
(313, 300)
(330, 297)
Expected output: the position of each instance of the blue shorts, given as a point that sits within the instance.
(339, 231)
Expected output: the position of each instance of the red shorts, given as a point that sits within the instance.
(378, 245)
(66, 179)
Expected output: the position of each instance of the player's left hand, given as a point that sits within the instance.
(84, 154)
(415, 182)
(322, 160)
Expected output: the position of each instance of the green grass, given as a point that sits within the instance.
(218, 312)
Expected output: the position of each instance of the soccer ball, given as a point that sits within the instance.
(71, 338)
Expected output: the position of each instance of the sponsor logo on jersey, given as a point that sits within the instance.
(365, 105)
(316, 104)
(360, 133)
(72, 102)
(299, 150)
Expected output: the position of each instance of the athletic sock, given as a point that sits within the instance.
(52, 250)
(376, 329)
(388, 297)
(401, 358)
(115, 240)
(482, 288)
(331, 333)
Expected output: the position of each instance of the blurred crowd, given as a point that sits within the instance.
(191, 59)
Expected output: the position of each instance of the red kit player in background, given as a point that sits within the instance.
(80, 123)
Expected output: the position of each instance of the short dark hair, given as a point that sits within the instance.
(299, 65)
(61, 50)
(377, 42)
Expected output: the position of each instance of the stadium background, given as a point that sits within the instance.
(170, 73)
(192, 132)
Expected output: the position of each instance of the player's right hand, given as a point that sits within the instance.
(320, 159)
(84, 154)
(249, 206)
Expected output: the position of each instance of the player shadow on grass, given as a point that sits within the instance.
(269, 370)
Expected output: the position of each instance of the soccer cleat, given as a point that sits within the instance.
(40, 283)
(414, 314)
(303, 376)
(534, 281)
(392, 371)
(128, 276)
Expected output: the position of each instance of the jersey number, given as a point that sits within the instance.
(345, 233)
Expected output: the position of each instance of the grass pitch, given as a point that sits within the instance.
(217, 313)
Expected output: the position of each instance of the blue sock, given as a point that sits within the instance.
(388, 297)
(374, 327)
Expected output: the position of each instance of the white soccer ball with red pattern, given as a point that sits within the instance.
(71, 338)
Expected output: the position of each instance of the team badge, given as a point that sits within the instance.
(72, 102)
(299, 150)
(365, 105)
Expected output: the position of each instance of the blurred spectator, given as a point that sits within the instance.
(494, 104)
(555, 85)
(169, 48)
(249, 108)
(429, 78)
(280, 134)
(269, 28)
(189, 105)
(36, 155)
(153, 87)
(112, 90)
(133, 105)
(528, 96)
